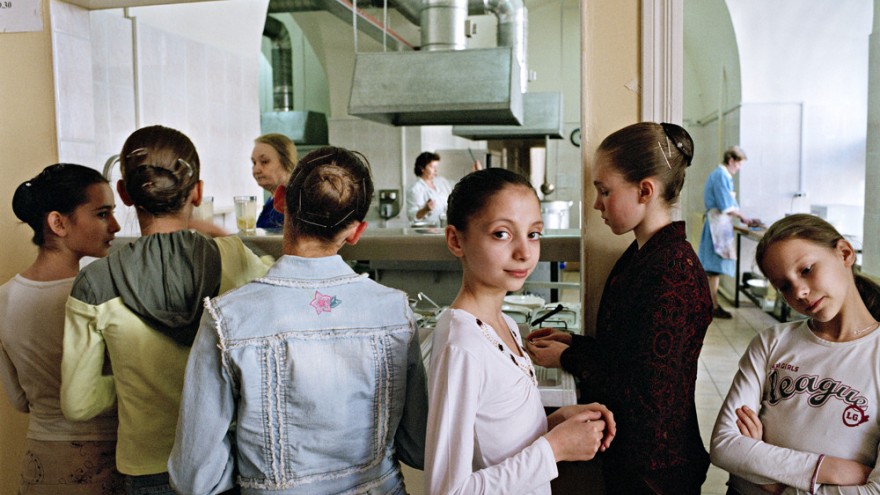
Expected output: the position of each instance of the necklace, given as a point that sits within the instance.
(871, 326)
(528, 368)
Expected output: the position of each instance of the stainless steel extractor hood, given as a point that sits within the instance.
(542, 117)
(303, 127)
(306, 129)
(480, 86)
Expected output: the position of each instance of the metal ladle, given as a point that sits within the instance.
(546, 187)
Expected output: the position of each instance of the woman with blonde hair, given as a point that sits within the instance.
(273, 159)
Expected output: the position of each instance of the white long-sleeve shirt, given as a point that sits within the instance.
(485, 418)
(813, 397)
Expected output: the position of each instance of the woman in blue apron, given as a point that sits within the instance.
(717, 245)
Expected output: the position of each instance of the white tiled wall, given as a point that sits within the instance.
(205, 91)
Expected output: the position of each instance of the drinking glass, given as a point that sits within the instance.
(246, 213)
(205, 211)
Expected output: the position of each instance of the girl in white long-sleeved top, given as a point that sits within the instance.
(487, 431)
(801, 415)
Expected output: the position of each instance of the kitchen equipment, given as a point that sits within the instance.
(527, 300)
(519, 314)
(418, 308)
(537, 321)
(389, 203)
(758, 286)
(551, 316)
(555, 214)
(546, 187)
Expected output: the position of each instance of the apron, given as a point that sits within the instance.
(721, 228)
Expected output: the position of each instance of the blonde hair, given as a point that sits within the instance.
(283, 146)
(821, 233)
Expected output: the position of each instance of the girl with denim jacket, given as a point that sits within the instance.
(309, 380)
(487, 431)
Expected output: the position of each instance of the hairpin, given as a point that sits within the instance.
(300, 214)
(137, 152)
(189, 167)
(664, 155)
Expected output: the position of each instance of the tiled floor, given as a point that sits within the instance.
(725, 342)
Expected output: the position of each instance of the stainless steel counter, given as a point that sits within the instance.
(419, 245)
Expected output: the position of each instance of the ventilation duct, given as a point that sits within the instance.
(437, 88)
(444, 84)
(542, 117)
(306, 129)
(282, 63)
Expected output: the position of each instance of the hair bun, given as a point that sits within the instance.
(682, 141)
(25, 202)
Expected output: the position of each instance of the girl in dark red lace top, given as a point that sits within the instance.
(654, 313)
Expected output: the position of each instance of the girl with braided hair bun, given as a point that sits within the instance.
(141, 307)
(654, 312)
(323, 382)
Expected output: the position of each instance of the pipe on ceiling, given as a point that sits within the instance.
(282, 63)
(343, 9)
(443, 23)
(513, 20)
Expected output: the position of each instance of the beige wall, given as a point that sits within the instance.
(27, 143)
(611, 53)
(89, 128)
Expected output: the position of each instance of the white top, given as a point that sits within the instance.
(485, 418)
(31, 332)
(420, 192)
(813, 397)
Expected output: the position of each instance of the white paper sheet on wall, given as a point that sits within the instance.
(20, 16)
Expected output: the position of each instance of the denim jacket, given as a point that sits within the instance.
(309, 380)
